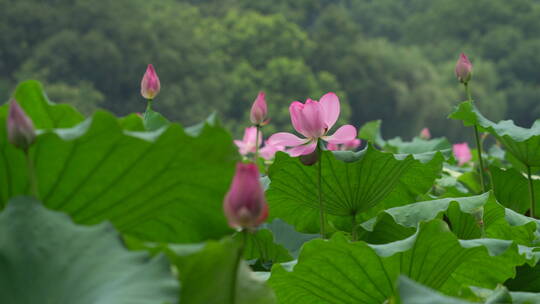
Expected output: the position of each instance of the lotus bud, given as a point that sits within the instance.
(425, 134)
(463, 69)
(20, 128)
(259, 110)
(244, 204)
(150, 85)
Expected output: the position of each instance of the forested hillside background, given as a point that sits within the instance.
(386, 59)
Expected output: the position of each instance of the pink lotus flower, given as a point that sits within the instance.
(20, 129)
(462, 153)
(248, 144)
(351, 145)
(244, 204)
(269, 150)
(258, 110)
(463, 68)
(425, 134)
(150, 85)
(313, 120)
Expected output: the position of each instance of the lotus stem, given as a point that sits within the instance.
(148, 109)
(531, 191)
(32, 178)
(240, 254)
(319, 185)
(478, 144)
(256, 157)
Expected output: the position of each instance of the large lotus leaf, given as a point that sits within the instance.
(512, 189)
(45, 115)
(353, 183)
(340, 271)
(466, 216)
(165, 185)
(207, 275)
(523, 143)
(46, 258)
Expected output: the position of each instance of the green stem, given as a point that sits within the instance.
(319, 185)
(531, 192)
(239, 255)
(478, 144)
(148, 109)
(257, 144)
(32, 178)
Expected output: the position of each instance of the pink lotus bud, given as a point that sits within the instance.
(463, 68)
(244, 204)
(20, 128)
(462, 153)
(150, 85)
(425, 134)
(258, 110)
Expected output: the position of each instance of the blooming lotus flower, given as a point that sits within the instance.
(314, 119)
(269, 150)
(350, 145)
(425, 134)
(20, 128)
(248, 144)
(462, 153)
(150, 85)
(258, 110)
(244, 204)
(463, 68)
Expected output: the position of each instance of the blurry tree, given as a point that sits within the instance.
(386, 59)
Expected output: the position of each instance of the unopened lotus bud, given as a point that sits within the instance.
(259, 110)
(244, 204)
(463, 69)
(21, 132)
(425, 134)
(150, 85)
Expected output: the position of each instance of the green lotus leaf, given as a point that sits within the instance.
(46, 258)
(523, 143)
(340, 271)
(353, 184)
(469, 218)
(208, 276)
(512, 189)
(151, 185)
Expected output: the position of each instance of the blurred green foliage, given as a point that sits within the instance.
(386, 59)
